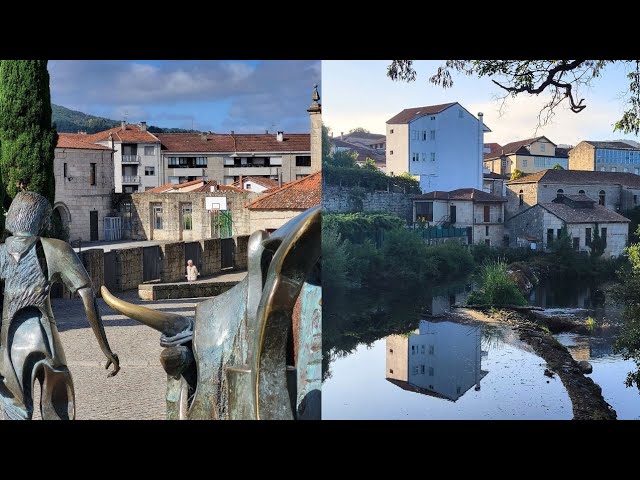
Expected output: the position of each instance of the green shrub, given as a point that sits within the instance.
(496, 287)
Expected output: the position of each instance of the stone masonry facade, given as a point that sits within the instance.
(173, 225)
(583, 157)
(342, 200)
(75, 197)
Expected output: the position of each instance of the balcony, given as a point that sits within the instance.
(130, 158)
(131, 179)
(246, 170)
(491, 219)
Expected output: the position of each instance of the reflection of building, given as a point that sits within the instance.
(442, 360)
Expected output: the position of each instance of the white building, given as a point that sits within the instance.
(442, 145)
(136, 158)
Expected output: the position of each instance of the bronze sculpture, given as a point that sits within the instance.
(231, 362)
(30, 347)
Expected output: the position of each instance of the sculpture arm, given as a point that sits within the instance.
(93, 315)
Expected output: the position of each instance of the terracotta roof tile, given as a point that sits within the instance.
(511, 148)
(612, 145)
(264, 181)
(408, 114)
(461, 194)
(580, 177)
(133, 133)
(298, 195)
(78, 141)
(167, 187)
(241, 143)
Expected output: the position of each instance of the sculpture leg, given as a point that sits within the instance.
(57, 400)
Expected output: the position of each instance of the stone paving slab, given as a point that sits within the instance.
(138, 391)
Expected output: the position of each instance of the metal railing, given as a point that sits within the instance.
(130, 159)
(130, 179)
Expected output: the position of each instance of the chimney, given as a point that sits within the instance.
(266, 132)
(241, 183)
(341, 135)
(279, 178)
(203, 136)
(280, 136)
(123, 125)
(143, 126)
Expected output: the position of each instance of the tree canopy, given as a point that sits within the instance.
(359, 130)
(563, 81)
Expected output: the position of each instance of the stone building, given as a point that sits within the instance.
(614, 190)
(187, 216)
(84, 183)
(605, 157)
(273, 209)
(482, 212)
(530, 155)
(582, 216)
(494, 183)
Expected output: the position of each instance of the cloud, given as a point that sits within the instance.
(255, 93)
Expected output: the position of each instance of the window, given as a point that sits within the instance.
(559, 232)
(414, 134)
(300, 175)
(424, 135)
(187, 221)
(202, 161)
(422, 349)
(173, 161)
(603, 236)
(92, 174)
(432, 134)
(150, 150)
(542, 147)
(602, 169)
(303, 160)
(504, 163)
(433, 118)
(521, 197)
(614, 169)
(391, 370)
(390, 152)
(487, 213)
(576, 243)
(550, 235)
(424, 157)
(391, 350)
(431, 371)
(416, 370)
(431, 349)
(415, 157)
(391, 131)
(601, 197)
(433, 156)
(424, 211)
(587, 237)
(581, 192)
(486, 230)
(64, 170)
(157, 217)
(149, 171)
(524, 162)
(413, 349)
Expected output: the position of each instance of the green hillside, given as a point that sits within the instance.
(72, 121)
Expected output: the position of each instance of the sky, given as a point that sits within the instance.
(358, 93)
(219, 96)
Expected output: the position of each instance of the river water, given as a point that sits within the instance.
(387, 361)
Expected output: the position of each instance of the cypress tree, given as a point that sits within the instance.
(27, 139)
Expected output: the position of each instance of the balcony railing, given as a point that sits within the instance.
(130, 159)
(490, 219)
(131, 179)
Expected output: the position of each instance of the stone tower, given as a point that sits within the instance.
(315, 115)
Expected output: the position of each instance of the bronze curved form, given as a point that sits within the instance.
(231, 362)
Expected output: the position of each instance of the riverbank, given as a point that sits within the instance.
(586, 396)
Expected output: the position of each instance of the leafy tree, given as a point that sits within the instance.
(634, 216)
(516, 174)
(562, 80)
(562, 245)
(597, 243)
(27, 139)
(342, 158)
(326, 142)
(370, 164)
(359, 130)
(557, 166)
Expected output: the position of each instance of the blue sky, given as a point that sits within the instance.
(240, 95)
(359, 94)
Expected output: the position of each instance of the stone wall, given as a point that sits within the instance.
(495, 234)
(529, 198)
(528, 223)
(271, 219)
(128, 268)
(75, 197)
(343, 200)
(211, 260)
(174, 264)
(240, 257)
(93, 261)
(172, 221)
(582, 157)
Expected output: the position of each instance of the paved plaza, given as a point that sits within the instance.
(138, 391)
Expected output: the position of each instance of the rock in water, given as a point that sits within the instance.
(585, 367)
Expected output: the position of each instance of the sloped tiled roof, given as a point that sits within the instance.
(241, 143)
(363, 152)
(612, 145)
(494, 175)
(373, 137)
(167, 187)
(597, 214)
(264, 181)
(409, 114)
(133, 133)
(492, 146)
(511, 148)
(581, 177)
(461, 194)
(298, 195)
(78, 141)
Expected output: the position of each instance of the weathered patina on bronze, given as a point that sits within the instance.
(30, 347)
(231, 362)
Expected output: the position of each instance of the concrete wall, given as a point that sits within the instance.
(172, 203)
(75, 197)
(543, 148)
(398, 143)
(397, 357)
(582, 157)
(341, 200)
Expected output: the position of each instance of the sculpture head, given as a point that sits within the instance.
(29, 214)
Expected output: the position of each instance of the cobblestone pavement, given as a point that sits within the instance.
(138, 391)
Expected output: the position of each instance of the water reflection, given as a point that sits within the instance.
(440, 359)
